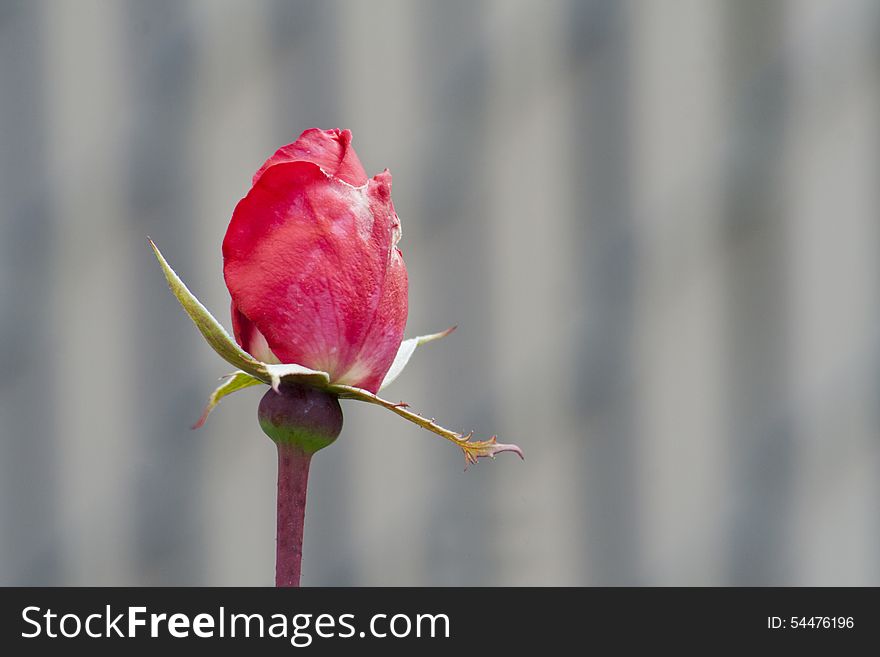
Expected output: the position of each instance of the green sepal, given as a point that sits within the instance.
(473, 449)
(405, 352)
(221, 342)
(232, 383)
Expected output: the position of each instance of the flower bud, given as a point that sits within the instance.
(312, 265)
(300, 415)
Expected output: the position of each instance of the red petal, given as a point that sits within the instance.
(249, 337)
(329, 149)
(386, 333)
(311, 262)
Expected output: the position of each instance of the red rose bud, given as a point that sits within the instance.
(311, 263)
(300, 415)
(319, 296)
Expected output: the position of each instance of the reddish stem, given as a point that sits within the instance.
(293, 479)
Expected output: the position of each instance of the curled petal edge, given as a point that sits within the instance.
(252, 372)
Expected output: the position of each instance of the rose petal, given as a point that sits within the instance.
(311, 262)
(250, 338)
(329, 149)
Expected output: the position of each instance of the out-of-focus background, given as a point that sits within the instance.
(656, 224)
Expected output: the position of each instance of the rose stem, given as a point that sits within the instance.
(293, 479)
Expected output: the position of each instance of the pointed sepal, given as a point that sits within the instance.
(221, 342)
(231, 383)
(473, 449)
(405, 352)
(213, 332)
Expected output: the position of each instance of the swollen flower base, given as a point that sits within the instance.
(300, 415)
(319, 305)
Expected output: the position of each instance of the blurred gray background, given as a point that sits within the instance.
(655, 223)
